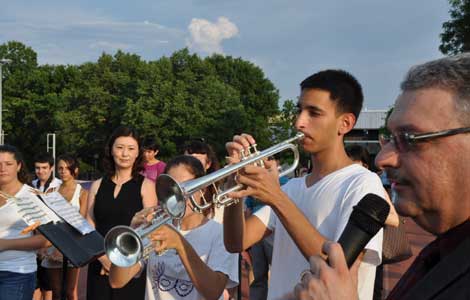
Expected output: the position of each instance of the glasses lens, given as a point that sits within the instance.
(402, 141)
(384, 139)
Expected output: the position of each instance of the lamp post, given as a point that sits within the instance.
(3, 61)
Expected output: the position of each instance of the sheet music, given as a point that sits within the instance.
(67, 212)
(32, 210)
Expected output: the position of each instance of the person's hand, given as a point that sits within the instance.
(166, 237)
(238, 144)
(55, 255)
(42, 253)
(143, 217)
(261, 183)
(105, 265)
(328, 282)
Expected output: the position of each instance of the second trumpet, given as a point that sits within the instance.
(125, 245)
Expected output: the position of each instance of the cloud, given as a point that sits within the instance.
(207, 37)
(81, 40)
(109, 46)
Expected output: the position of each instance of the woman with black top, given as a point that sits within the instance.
(113, 200)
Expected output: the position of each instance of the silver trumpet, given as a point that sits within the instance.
(167, 187)
(125, 245)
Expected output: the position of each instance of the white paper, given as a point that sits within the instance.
(67, 212)
(33, 210)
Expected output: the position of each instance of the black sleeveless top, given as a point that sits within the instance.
(109, 212)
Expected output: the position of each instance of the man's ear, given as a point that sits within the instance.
(346, 123)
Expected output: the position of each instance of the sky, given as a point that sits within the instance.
(375, 40)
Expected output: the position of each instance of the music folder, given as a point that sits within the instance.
(77, 248)
(62, 225)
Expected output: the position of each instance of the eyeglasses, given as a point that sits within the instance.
(404, 141)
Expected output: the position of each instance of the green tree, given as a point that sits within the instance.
(282, 125)
(456, 36)
(171, 99)
(258, 95)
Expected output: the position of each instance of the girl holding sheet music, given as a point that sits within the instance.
(72, 191)
(17, 250)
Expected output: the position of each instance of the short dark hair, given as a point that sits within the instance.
(72, 163)
(344, 89)
(44, 158)
(150, 144)
(108, 162)
(23, 174)
(193, 164)
(198, 146)
(359, 153)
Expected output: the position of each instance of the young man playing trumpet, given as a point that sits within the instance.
(307, 211)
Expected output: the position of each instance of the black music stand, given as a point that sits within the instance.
(77, 248)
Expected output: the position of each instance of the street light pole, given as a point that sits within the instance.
(2, 62)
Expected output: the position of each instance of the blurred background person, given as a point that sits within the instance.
(204, 152)
(113, 200)
(17, 251)
(45, 181)
(201, 150)
(359, 155)
(200, 268)
(72, 191)
(152, 166)
(43, 168)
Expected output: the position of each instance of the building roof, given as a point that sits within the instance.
(371, 119)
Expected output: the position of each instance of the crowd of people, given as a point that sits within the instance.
(287, 225)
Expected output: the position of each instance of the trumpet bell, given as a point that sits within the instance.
(123, 245)
(171, 195)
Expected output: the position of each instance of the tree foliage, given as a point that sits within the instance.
(172, 99)
(456, 36)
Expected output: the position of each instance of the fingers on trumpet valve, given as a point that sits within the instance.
(239, 147)
(144, 216)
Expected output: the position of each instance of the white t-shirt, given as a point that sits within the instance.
(11, 226)
(327, 205)
(166, 276)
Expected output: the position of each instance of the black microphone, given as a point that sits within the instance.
(366, 219)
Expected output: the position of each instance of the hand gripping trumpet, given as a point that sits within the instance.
(125, 245)
(167, 187)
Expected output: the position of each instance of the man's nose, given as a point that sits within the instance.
(387, 157)
(300, 121)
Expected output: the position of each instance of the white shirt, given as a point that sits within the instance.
(166, 276)
(327, 205)
(11, 225)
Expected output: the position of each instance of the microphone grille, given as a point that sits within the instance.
(370, 213)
